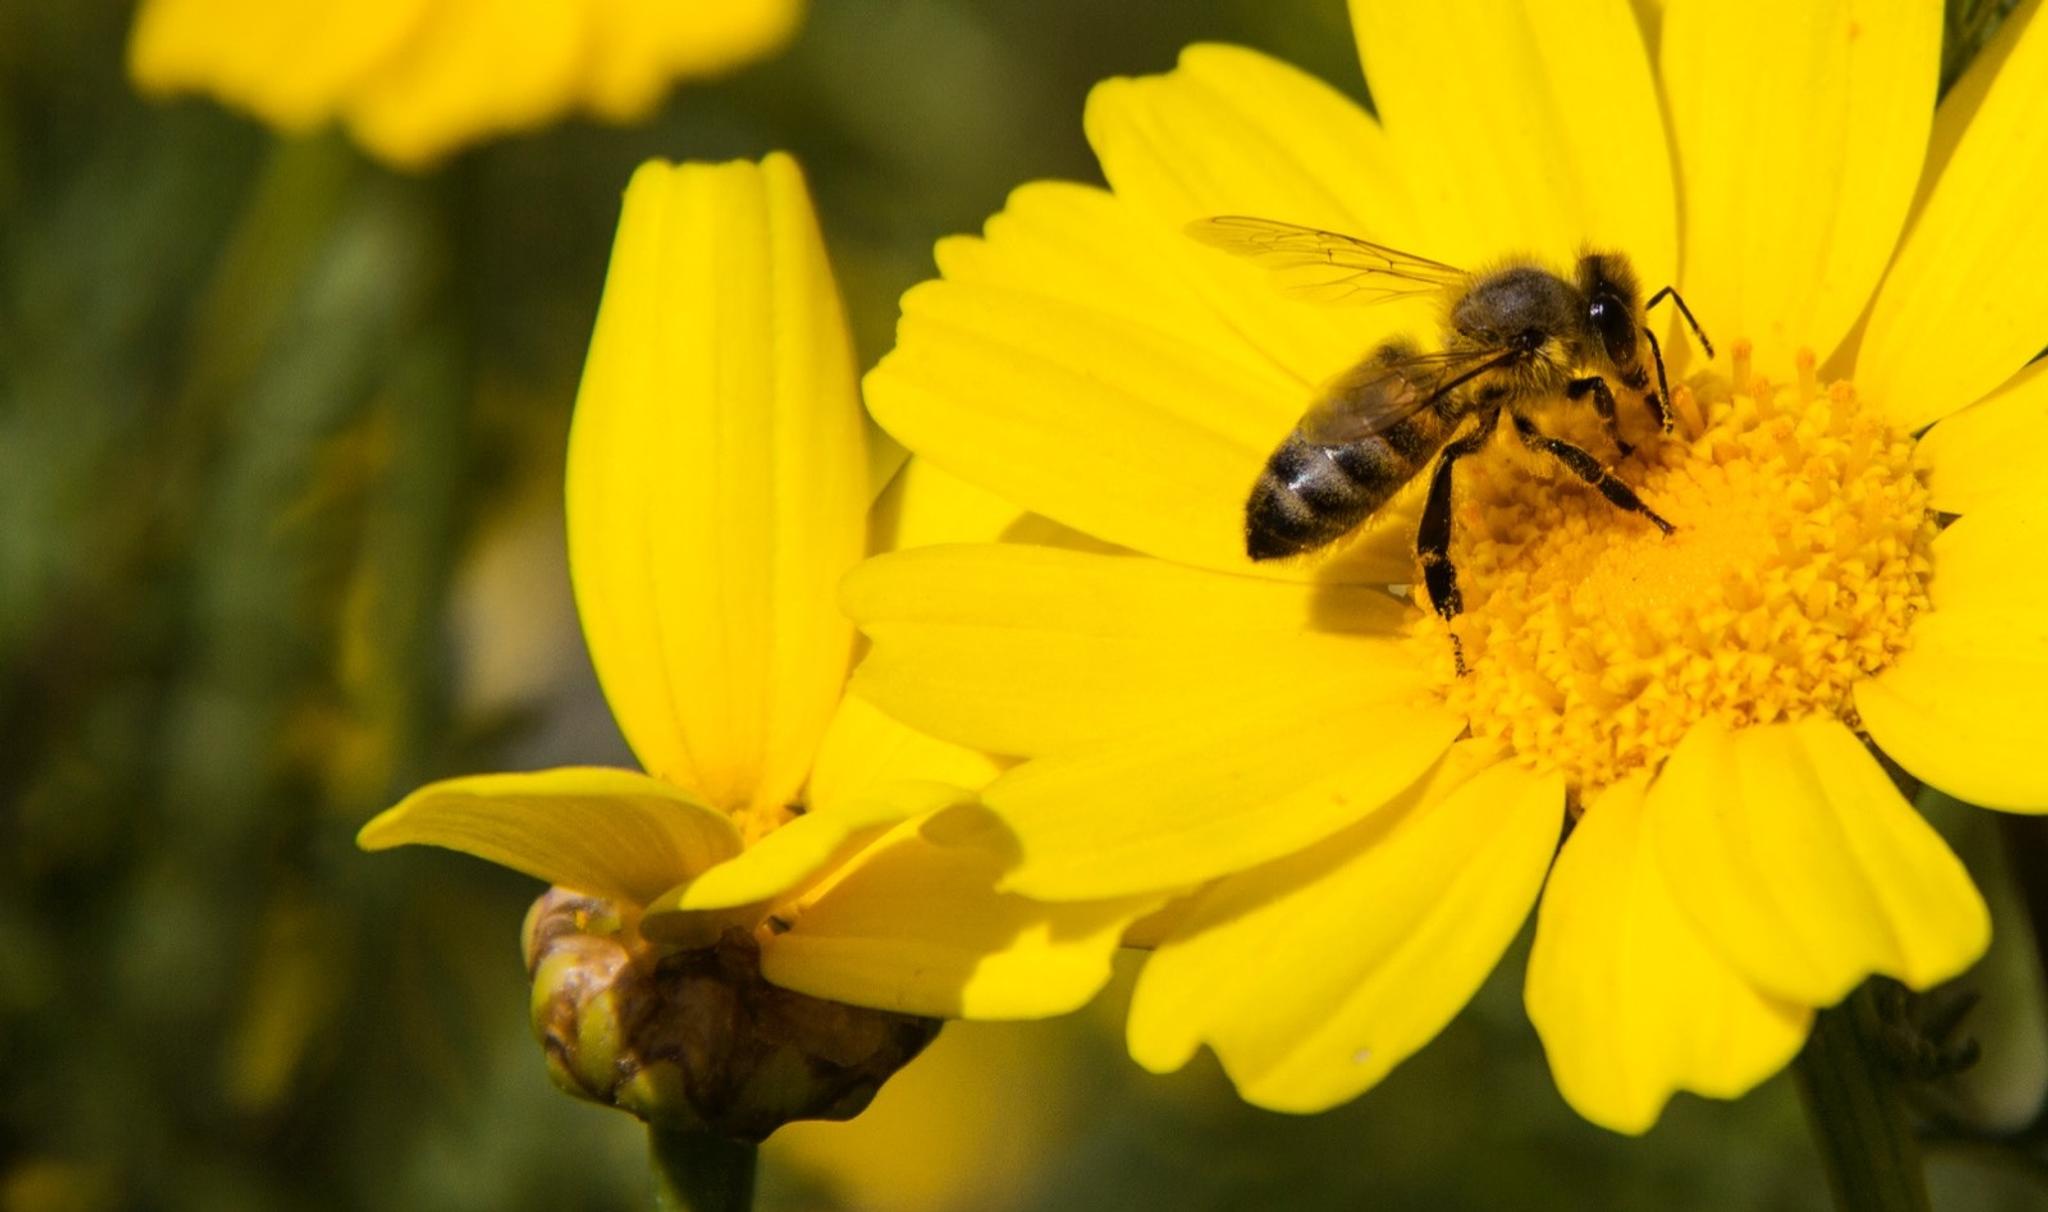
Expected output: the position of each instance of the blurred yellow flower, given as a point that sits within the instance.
(414, 80)
(717, 491)
(1362, 831)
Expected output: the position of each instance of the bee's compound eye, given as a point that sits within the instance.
(1610, 318)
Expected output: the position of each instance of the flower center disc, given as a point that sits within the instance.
(1799, 559)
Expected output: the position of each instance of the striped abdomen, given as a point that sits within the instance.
(1311, 494)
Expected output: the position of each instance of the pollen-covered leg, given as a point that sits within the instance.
(1660, 399)
(1433, 536)
(1587, 468)
(1603, 403)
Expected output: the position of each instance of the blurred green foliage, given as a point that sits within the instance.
(261, 405)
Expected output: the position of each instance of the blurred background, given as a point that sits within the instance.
(281, 436)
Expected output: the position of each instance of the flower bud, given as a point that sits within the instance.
(696, 1039)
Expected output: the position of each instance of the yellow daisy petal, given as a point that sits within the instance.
(717, 481)
(1234, 132)
(472, 66)
(1630, 1001)
(1219, 789)
(915, 925)
(1992, 560)
(1979, 454)
(1801, 863)
(1966, 707)
(814, 842)
(1081, 245)
(924, 504)
(612, 833)
(1527, 129)
(1964, 305)
(865, 749)
(1101, 422)
(291, 63)
(1027, 650)
(638, 46)
(1799, 152)
(1422, 900)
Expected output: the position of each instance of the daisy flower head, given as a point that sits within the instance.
(1359, 827)
(414, 80)
(782, 857)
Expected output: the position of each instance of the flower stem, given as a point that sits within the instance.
(1856, 1114)
(2026, 850)
(699, 1172)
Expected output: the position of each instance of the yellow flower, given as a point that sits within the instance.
(416, 79)
(717, 492)
(1362, 830)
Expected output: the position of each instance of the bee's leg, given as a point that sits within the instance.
(1658, 400)
(1603, 403)
(1683, 310)
(1587, 468)
(1433, 536)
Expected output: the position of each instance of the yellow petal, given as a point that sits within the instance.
(1082, 245)
(866, 749)
(1631, 1003)
(924, 504)
(1966, 303)
(613, 833)
(1027, 650)
(1965, 708)
(1799, 151)
(1530, 129)
(717, 480)
(1315, 975)
(1205, 795)
(1989, 449)
(1069, 364)
(1801, 863)
(1110, 425)
(291, 63)
(812, 843)
(916, 925)
(638, 46)
(1233, 132)
(471, 68)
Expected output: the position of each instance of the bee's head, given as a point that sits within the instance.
(1614, 306)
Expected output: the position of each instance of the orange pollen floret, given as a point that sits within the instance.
(1797, 563)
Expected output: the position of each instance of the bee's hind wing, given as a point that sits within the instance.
(1327, 266)
(1386, 389)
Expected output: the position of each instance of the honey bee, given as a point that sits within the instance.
(1512, 337)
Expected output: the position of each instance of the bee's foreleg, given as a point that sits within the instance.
(1660, 399)
(1603, 403)
(1433, 536)
(1587, 468)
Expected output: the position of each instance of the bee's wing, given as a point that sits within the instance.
(1382, 392)
(1327, 266)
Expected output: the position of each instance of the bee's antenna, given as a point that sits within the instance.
(1685, 311)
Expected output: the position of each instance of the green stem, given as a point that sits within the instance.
(1856, 1114)
(699, 1172)
(2026, 850)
